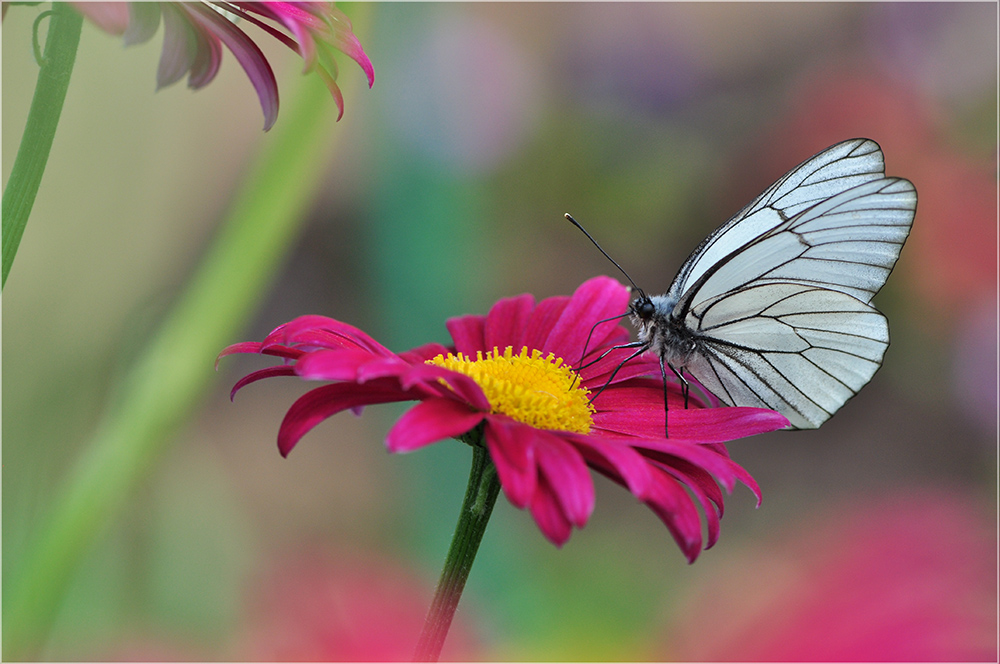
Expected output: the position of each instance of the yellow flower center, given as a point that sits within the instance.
(541, 392)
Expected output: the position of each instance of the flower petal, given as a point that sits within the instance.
(467, 333)
(541, 321)
(246, 53)
(340, 364)
(549, 515)
(616, 460)
(671, 503)
(443, 382)
(143, 22)
(595, 300)
(513, 454)
(323, 332)
(567, 476)
(430, 421)
(270, 372)
(424, 353)
(316, 405)
(506, 322)
(636, 409)
(180, 46)
(112, 17)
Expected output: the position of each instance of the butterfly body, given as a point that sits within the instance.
(664, 335)
(773, 309)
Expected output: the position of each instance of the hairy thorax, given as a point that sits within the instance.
(664, 335)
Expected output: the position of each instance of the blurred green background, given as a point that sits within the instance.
(652, 124)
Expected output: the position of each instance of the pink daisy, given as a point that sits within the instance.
(509, 381)
(194, 32)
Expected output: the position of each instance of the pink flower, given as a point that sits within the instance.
(349, 607)
(194, 33)
(903, 576)
(509, 372)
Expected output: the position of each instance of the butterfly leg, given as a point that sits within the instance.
(685, 386)
(663, 376)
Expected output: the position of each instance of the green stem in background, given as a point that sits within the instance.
(169, 378)
(480, 497)
(54, 72)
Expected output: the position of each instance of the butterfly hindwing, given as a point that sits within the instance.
(794, 348)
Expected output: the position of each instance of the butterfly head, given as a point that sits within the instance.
(642, 307)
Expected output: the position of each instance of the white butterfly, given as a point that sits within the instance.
(773, 309)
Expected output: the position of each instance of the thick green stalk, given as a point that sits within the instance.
(43, 117)
(170, 377)
(480, 497)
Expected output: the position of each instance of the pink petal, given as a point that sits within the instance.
(456, 386)
(242, 347)
(180, 46)
(270, 372)
(549, 514)
(247, 54)
(323, 332)
(672, 452)
(541, 321)
(566, 475)
(616, 460)
(512, 450)
(206, 62)
(341, 364)
(467, 333)
(596, 375)
(346, 42)
(718, 425)
(424, 353)
(430, 421)
(254, 347)
(506, 321)
(705, 490)
(636, 409)
(143, 21)
(595, 300)
(112, 17)
(316, 405)
(671, 503)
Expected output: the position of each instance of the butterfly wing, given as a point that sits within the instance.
(778, 298)
(836, 169)
(848, 243)
(798, 349)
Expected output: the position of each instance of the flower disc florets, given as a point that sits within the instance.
(541, 392)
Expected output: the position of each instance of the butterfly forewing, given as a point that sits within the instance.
(840, 167)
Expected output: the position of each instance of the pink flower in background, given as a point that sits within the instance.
(355, 608)
(904, 577)
(194, 33)
(510, 373)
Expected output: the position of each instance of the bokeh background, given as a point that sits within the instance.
(652, 124)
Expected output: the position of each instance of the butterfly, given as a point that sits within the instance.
(773, 309)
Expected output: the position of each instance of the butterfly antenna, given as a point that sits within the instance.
(613, 262)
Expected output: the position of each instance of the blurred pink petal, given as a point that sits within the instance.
(194, 33)
(905, 577)
(352, 607)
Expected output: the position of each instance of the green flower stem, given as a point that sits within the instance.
(61, 42)
(480, 497)
(170, 377)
